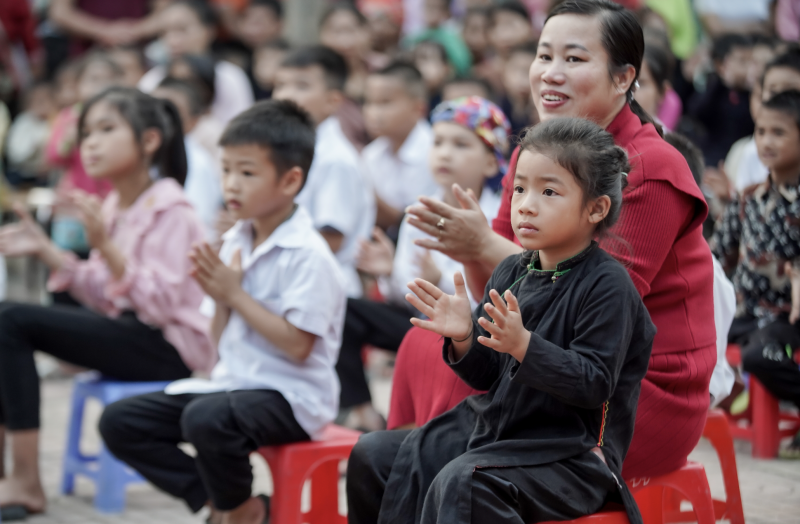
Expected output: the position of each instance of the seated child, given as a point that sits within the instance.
(430, 58)
(563, 368)
(28, 135)
(277, 300)
(396, 162)
(439, 29)
(337, 196)
(470, 138)
(203, 185)
(267, 59)
(758, 236)
(509, 27)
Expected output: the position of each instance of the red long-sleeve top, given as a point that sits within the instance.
(662, 215)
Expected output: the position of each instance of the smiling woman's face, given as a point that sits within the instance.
(570, 76)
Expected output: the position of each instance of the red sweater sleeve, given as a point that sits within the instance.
(502, 222)
(653, 216)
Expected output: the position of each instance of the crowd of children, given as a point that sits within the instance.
(202, 155)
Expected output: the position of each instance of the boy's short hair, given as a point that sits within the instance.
(512, 6)
(333, 65)
(790, 60)
(528, 48)
(409, 75)
(190, 89)
(342, 6)
(689, 151)
(470, 79)
(281, 127)
(786, 102)
(726, 43)
(272, 5)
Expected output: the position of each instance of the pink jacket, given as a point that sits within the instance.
(155, 235)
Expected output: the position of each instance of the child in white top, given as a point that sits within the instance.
(277, 298)
(396, 162)
(337, 196)
(470, 140)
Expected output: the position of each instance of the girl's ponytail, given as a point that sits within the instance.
(143, 112)
(171, 156)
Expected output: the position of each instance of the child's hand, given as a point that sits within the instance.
(90, 211)
(450, 316)
(376, 257)
(219, 281)
(428, 269)
(23, 238)
(508, 333)
(794, 276)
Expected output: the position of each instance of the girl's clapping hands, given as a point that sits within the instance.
(508, 334)
(449, 315)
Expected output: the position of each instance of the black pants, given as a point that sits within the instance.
(366, 322)
(765, 355)
(224, 428)
(514, 495)
(122, 348)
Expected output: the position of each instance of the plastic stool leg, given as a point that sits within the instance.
(766, 419)
(325, 494)
(651, 504)
(288, 492)
(718, 433)
(73, 451)
(111, 481)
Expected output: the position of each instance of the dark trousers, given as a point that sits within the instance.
(765, 355)
(224, 428)
(366, 322)
(122, 348)
(513, 495)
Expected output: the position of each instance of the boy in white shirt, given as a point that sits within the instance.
(338, 197)
(278, 308)
(470, 138)
(396, 162)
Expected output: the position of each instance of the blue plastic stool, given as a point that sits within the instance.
(109, 475)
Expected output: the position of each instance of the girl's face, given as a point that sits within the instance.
(777, 140)
(343, 33)
(108, 145)
(458, 156)
(650, 94)
(570, 74)
(183, 32)
(548, 211)
(476, 26)
(96, 76)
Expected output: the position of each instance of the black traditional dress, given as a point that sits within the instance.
(576, 389)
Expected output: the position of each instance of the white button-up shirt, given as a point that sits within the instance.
(292, 274)
(400, 178)
(337, 195)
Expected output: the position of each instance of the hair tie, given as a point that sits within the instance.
(623, 173)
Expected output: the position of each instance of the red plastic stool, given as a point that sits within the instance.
(690, 481)
(291, 465)
(717, 431)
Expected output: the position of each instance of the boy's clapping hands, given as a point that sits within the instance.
(219, 281)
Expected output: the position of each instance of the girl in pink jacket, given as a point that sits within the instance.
(141, 321)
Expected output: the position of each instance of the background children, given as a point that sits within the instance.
(260, 23)
(470, 138)
(278, 301)
(336, 195)
(132, 63)
(757, 236)
(654, 80)
(551, 359)
(344, 29)
(439, 30)
(28, 137)
(397, 160)
(723, 108)
(430, 58)
(517, 103)
(465, 86)
(203, 185)
(141, 320)
(267, 59)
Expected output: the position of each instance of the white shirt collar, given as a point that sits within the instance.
(291, 234)
(417, 144)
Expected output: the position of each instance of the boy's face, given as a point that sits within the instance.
(777, 140)
(389, 109)
(778, 80)
(266, 62)
(259, 25)
(306, 87)
(251, 185)
(761, 56)
(458, 156)
(509, 30)
(516, 80)
(734, 67)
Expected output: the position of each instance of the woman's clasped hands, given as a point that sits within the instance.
(451, 316)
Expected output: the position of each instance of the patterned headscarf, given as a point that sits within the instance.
(481, 116)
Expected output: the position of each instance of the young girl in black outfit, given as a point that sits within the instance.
(561, 353)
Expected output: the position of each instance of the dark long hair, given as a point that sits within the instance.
(144, 112)
(622, 38)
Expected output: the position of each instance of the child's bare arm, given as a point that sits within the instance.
(222, 314)
(794, 276)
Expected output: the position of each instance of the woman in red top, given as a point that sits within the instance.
(589, 57)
